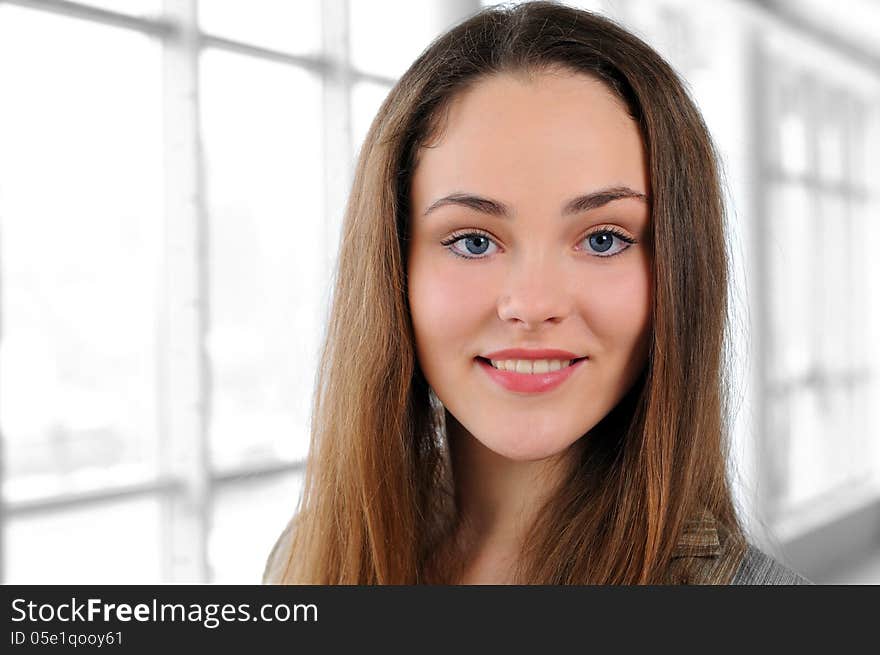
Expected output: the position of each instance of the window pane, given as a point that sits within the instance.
(833, 291)
(791, 252)
(370, 20)
(366, 98)
(863, 161)
(287, 26)
(824, 427)
(248, 518)
(81, 212)
(788, 101)
(809, 470)
(831, 135)
(863, 286)
(113, 543)
(268, 249)
(793, 143)
(776, 449)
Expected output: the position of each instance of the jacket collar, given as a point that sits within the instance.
(699, 538)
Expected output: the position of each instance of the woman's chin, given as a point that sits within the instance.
(528, 449)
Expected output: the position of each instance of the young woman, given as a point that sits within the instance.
(523, 374)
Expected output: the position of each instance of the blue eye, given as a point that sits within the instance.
(474, 245)
(602, 241)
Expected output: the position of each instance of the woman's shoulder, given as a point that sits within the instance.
(716, 552)
(759, 568)
(708, 552)
(276, 563)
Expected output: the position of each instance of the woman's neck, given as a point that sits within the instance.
(498, 500)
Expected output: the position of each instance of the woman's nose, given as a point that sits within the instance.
(534, 293)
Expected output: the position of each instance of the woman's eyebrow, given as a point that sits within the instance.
(576, 205)
(602, 197)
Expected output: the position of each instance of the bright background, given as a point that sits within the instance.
(172, 180)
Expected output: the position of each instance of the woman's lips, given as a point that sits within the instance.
(529, 382)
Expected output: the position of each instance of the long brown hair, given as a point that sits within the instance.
(376, 502)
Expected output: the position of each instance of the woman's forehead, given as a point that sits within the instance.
(550, 131)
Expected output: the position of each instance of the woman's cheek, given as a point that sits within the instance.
(639, 313)
(621, 313)
(435, 296)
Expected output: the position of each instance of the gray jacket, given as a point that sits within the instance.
(758, 568)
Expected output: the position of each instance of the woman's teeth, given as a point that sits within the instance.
(530, 365)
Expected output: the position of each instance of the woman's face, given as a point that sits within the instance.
(520, 221)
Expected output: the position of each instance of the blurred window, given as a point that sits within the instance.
(818, 262)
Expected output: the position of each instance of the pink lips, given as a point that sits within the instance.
(529, 382)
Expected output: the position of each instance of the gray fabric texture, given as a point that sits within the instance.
(758, 568)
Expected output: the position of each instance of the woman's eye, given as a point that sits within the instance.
(470, 246)
(602, 243)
